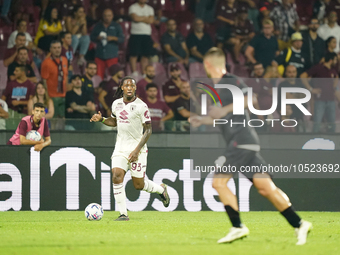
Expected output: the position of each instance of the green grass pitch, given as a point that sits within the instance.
(160, 233)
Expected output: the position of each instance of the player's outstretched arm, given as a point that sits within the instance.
(112, 122)
(147, 133)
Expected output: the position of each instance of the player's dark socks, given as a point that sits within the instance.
(234, 216)
(292, 217)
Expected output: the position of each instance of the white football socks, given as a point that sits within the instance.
(120, 197)
(151, 187)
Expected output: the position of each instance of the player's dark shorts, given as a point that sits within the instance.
(247, 162)
(141, 45)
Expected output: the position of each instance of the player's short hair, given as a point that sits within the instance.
(20, 34)
(329, 56)
(63, 34)
(38, 105)
(267, 22)
(151, 85)
(90, 63)
(54, 42)
(217, 55)
(22, 48)
(22, 68)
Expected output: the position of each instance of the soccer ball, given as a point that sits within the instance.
(94, 212)
(33, 135)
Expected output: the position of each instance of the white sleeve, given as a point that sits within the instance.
(113, 109)
(132, 9)
(11, 40)
(145, 114)
(28, 37)
(152, 11)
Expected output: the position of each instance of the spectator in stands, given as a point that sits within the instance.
(54, 72)
(41, 96)
(97, 7)
(36, 122)
(12, 54)
(263, 47)
(313, 47)
(319, 9)
(269, 4)
(330, 48)
(90, 71)
(242, 33)
(21, 28)
(331, 29)
(171, 89)
(198, 42)
(49, 29)
(225, 15)
(289, 124)
(107, 34)
(324, 104)
(77, 26)
(291, 81)
(174, 44)
(67, 7)
(141, 85)
(286, 22)
(334, 5)
(261, 88)
(182, 107)
(157, 6)
(3, 114)
(21, 60)
(79, 105)
(292, 56)
(106, 97)
(67, 51)
(4, 11)
(263, 15)
(17, 93)
(140, 42)
(159, 111)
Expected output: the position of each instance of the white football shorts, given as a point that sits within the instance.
(137, 168)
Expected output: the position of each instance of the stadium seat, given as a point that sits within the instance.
(211, 30)
(162, 29)
(96, 80)
(196, 70)
(184, 74)
(3, 75)
(185, 28)
(168, 5)
(126, 27)
(128, 69)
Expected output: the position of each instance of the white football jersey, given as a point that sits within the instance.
(130, 118)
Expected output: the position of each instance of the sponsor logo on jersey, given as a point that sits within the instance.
(123, 115)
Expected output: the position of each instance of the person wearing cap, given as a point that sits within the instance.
(331, 29)
(106, 96)
(286, 22)
(171, 89)
(292, 56)
(313, 47)
(78, 105)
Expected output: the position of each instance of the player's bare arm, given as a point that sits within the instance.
(112, 122)
(40, 146)
(147, 133)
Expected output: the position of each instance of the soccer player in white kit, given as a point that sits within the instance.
(131, 115)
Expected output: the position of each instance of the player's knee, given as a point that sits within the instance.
(117, 176)
(138, 185)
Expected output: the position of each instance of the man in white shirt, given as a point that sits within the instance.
(21, 27)
(331, 29)
(3, 114)
(140, 42)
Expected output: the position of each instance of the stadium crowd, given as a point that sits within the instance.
(71, 55)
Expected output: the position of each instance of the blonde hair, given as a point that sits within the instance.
(217, 55)
(267, 22)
